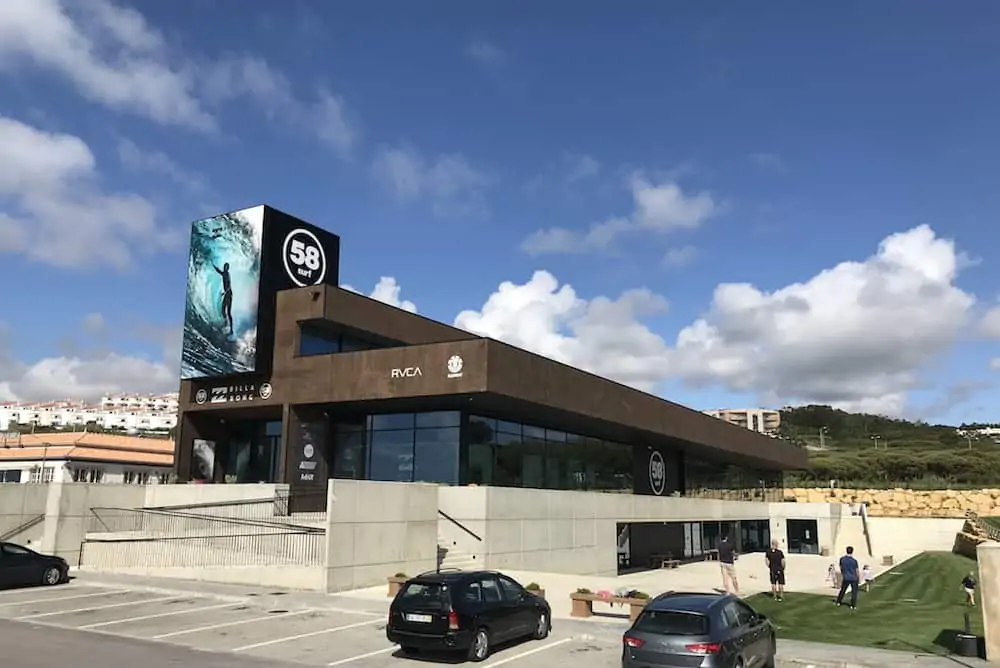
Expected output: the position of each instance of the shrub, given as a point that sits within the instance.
(640, 594)
(583, 590)
(400, 575)
(533, 586)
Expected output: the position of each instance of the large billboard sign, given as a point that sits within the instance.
(237, 264)
(223, 286)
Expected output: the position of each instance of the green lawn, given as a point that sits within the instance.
(995, 521)
(920, 607)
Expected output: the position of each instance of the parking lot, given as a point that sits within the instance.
(270, 627)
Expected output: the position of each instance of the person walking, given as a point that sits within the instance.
(849, 577)
(775, 559)
(727, 563)
(969, 585)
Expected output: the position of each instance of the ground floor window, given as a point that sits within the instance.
(803, 536)
(10, 475)
(643, 545)
(135, 478)
(41, 474)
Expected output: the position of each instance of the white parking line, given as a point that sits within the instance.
(223, 625)
(300, 636)
(158, 615)
(364, 656)
(62, 598)
(97, 607)
(515, 657)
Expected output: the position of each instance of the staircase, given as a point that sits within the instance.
(973, 533)
(449, 556)
(852, 533)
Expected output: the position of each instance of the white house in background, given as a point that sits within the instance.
(85, 457)
(128, 412)
(760, 420)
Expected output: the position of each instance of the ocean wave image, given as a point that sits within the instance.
(220, 318)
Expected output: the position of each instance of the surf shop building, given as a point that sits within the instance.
(288, 378)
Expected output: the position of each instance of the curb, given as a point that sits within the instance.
(802, 663)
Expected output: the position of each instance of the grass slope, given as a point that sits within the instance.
(920, 608)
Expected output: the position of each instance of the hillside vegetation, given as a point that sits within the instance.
(862, 450)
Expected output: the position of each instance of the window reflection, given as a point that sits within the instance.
(435, 455)
(713, 480)
(508, 454)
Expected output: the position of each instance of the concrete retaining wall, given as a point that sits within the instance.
(377, 529)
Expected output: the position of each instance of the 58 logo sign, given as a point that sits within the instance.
(304, 258)
(657, 473)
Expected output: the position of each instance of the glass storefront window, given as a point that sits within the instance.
(349, 453)
(509, 466)
(708, 479)
(437, 419)
(391, 421)
(392, 455)
(313, 341)
(435, 455)
(253, 451)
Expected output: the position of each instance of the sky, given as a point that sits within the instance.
(727, 204)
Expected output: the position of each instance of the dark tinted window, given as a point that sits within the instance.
(511, 590)
(424, 594)
(473, 593)
(16, 549)
(672, 623)
(491, 590)
(745, 613)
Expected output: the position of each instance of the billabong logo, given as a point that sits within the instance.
(657, 473)
(201, 396)
(455, 366)
(304, 258)
(265, 390)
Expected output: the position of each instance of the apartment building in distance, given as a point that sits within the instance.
(125, 412)
(85, 457)
(761, 420)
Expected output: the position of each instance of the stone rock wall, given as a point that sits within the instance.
(906, 502)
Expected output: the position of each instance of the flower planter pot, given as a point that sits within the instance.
(581, 606)
(394, 585)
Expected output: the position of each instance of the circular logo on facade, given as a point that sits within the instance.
(455, 364)
(304, 258)
(265, 390)
(201, 396)
(657, 473)
(309, 451)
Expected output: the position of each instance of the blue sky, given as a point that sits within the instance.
(699, 144)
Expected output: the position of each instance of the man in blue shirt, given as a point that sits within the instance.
(849, 577)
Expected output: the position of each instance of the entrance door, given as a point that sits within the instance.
(803, 538)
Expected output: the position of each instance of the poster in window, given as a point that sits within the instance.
(687, 540)
(203, 460)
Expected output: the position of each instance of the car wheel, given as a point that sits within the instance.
(479, 650)
(51, 576)
(541, 627)
(738, 663)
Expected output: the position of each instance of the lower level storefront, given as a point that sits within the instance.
(304, 446)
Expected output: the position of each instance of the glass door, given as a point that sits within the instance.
(803, 538)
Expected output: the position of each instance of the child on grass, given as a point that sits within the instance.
(969, 585)
(867, 578)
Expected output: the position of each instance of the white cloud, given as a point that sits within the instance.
(54, 210)
(602, 335)
(680, 257)
(158, 163)
(93, 323)
(989, 325)
(387, 290)
(448, 182)
(114, 57)
(109, 53)
(855, 335)
(995, 364)
(486, 53)
(657, 207)
(87, 375)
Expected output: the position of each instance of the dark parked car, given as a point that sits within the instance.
(699, 631)
(21, 566)
(468, 611)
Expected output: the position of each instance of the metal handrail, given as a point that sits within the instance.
(23, 527)
(459, 525)
(231, 521)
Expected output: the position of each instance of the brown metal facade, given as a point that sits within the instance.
(493, 375)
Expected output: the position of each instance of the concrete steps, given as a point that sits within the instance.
(449, 556)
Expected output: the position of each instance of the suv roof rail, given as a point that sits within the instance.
(438, 571)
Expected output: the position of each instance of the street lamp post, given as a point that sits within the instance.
(822, 438)
(876, 438)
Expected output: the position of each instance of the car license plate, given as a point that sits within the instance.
(420, 619)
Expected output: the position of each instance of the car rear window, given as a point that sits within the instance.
(432, 594)
(672, 623)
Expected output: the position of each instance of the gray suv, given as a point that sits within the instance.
(689, 630)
